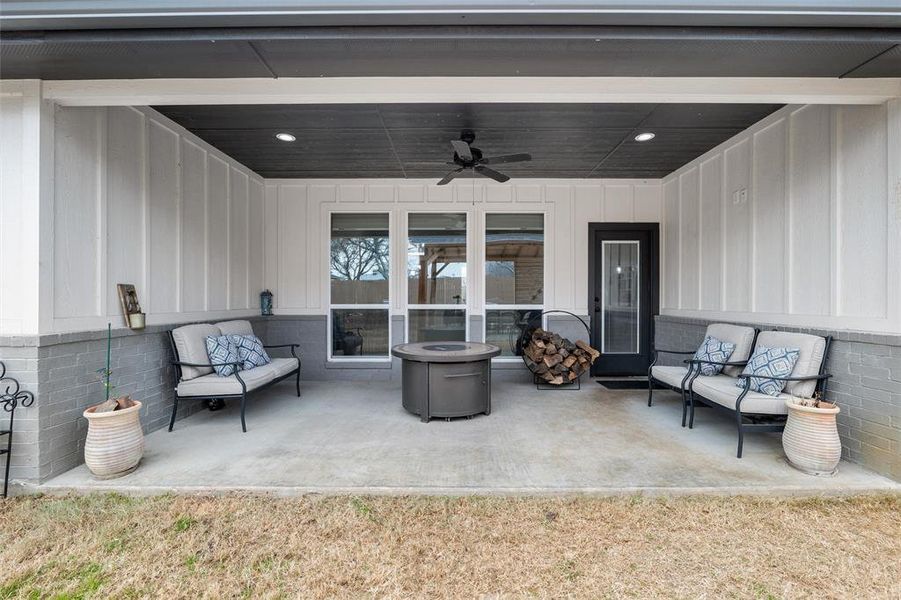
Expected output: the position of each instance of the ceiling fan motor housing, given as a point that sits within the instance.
(476, 157)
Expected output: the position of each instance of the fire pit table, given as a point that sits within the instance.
(446, 379)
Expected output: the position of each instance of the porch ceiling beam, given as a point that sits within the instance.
(365, 90)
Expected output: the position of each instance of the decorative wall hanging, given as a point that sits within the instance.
(131, 308)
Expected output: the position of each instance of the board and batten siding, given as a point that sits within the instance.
(795, 221)
(297, 229)
(138, 199)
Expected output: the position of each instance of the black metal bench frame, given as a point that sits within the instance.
(748, 422)
(178, 364)
(683, 389)
(11, 396)
(655, 354)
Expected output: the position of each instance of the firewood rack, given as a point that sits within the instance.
(528, 328)
(11, 396)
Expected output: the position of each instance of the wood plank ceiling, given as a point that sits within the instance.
(413, 140)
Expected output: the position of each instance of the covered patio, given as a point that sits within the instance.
(342, 437)
(343, 187)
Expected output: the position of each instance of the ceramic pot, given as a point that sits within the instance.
(115, 442)
(810, 439)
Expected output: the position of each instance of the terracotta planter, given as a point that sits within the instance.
(810, 439)
(115, 442)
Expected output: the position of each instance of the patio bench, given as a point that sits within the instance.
(758, 411)
(195, 378)
(676, 378)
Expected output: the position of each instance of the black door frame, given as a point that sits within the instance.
(653, 231)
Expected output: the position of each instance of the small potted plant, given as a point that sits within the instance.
(810, 439)
(115, 441)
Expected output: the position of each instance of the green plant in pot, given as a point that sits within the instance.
(115, 441)
(810, 439)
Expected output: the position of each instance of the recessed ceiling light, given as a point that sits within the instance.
(644, 137)
(285, 137)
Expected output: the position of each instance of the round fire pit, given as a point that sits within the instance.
(446, 379)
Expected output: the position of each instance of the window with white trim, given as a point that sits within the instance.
(436, 277)
(359, 290)
(514, 276)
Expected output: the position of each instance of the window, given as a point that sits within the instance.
(514, 277)
(360, 283)
(436, 277)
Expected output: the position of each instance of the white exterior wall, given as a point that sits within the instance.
(128, 196)
(815, 240)
(297, 229)
(23, 201)
(138, 199)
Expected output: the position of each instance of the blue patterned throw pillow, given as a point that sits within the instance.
(221, 349)
(769, 362)
(713, 350)
(251, 351)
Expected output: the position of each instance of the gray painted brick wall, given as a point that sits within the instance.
(61, 371)
(866, 384)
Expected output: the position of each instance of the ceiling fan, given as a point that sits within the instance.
(466, 156)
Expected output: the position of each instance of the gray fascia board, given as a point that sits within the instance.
(97, 14)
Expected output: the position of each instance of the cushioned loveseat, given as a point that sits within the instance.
(676, 377)
(757, 410)
(762, 371)
(197, 377)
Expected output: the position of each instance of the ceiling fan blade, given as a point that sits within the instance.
(507, 158)
(499, 177)
(449, 176)
(462, 149)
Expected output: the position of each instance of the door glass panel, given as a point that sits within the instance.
(620, 297)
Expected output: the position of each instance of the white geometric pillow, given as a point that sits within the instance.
(769, 362)
(221, 349)
(251, 351)
(713, 350)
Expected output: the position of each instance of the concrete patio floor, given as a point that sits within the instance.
(355, 437)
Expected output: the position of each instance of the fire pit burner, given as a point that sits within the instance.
(446, 379)
(445, 347)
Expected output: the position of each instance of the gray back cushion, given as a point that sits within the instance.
(239, 327)
(811, 347)
(190, 342)
(741, 336)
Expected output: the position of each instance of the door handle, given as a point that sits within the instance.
(477, 374)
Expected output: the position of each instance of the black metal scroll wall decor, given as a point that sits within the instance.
(11, 396)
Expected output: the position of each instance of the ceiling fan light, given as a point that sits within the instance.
(285, 137)
(645, 136)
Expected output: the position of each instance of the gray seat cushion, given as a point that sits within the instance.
(722, 390)
(190, 342)
(214, 385)
(238, 327)
(812, 349)
(282, 366)
(741, 336)
(672, 376)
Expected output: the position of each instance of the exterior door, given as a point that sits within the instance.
(623, 295)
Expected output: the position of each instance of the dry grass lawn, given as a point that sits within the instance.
(340, 546)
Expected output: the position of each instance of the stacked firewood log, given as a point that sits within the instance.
(555, 359)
